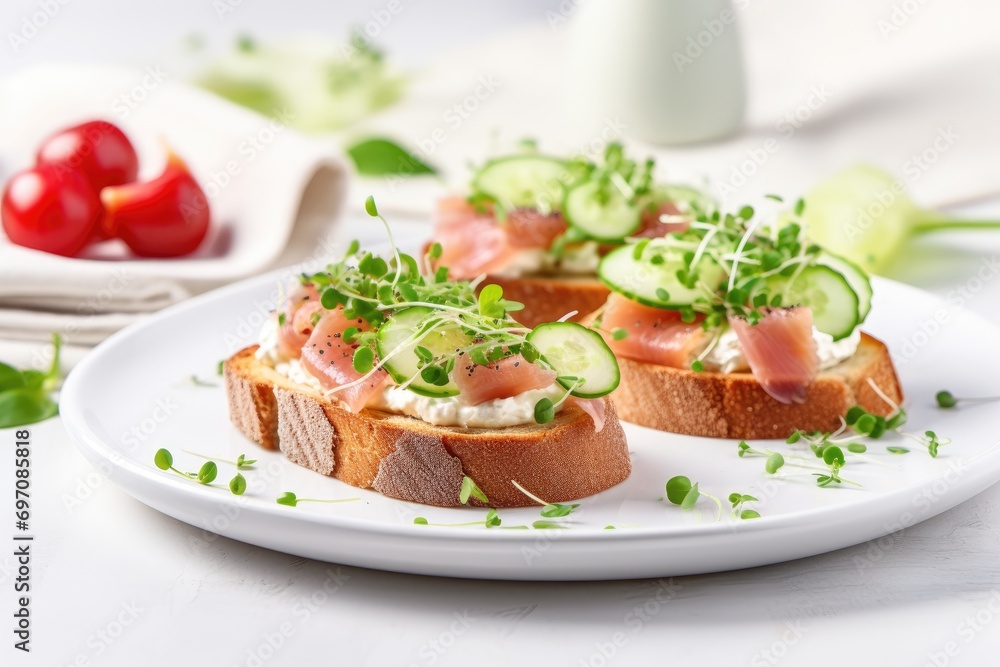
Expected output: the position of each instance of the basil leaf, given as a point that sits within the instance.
(10, 378)
(34, 379)
(382, 157)
(22, 406)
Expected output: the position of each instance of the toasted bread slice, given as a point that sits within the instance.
(734, 405)
(412, 460)
(549, 298)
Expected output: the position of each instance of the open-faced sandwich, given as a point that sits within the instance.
(387, 377)
(538, 225)
(739, 328)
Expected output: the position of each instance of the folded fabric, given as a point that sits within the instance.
(274, 195)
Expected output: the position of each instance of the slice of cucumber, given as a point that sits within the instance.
(602, 212)
(519, 181)
(826, 292)
(656, 284)
(575, 351)
(855, 277)
(394, 337)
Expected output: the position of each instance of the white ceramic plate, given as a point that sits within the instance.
(133, 394)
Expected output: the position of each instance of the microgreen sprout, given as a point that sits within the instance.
(208, 472)
(833, 456)
(549, 510)
(946, 400)
(291, 500)
(492, 520)
(470, 489)
(738, 500)
(238, 485)
(930, 440)
(164, 460)
(681, 492)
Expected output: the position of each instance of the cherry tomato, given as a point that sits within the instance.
(98, 150)
(50, 208)
(165, 217)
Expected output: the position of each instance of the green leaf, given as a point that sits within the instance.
(619, 333)
(163, 459)
(677, 489)
(945, 399)
(833, 456)
(208, 472)
(896, 420)
(774, 463)
(364, 360)
(857, 448)
(383, 157)
(854, 414)
(288, 498)
(10, 378)
(242, 463)
(545, 411)
(691, 498)
(417, 520)
(546, 525)
(19, 407)
(749, 514)
(469, 488)
(897, 450)
(558, 510)
(370, 207)
(530, 352)
(489, 298)
(238, 485)
(492, 518)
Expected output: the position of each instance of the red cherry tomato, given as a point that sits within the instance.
(98, 149)
(165, 217)
(50, 208)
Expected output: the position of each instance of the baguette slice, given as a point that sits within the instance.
(412, 460)
(734, 405)
(549, 298)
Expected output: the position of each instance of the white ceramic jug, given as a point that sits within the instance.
(670, 70)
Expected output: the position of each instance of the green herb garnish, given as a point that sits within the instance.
(25, 395)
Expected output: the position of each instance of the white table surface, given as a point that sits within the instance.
(116, 583)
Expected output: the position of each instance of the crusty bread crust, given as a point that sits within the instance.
(412, 460)
(734, 405)
(549, 298)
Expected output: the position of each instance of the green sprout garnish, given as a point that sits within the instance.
(208, 472)
(470, 489)
(738, 500)
(238, 485)
(289, 499)
(549, 510)
(492, 520)
(681, 492)
(946, 400)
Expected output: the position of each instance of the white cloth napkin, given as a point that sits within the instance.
(274, 194)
